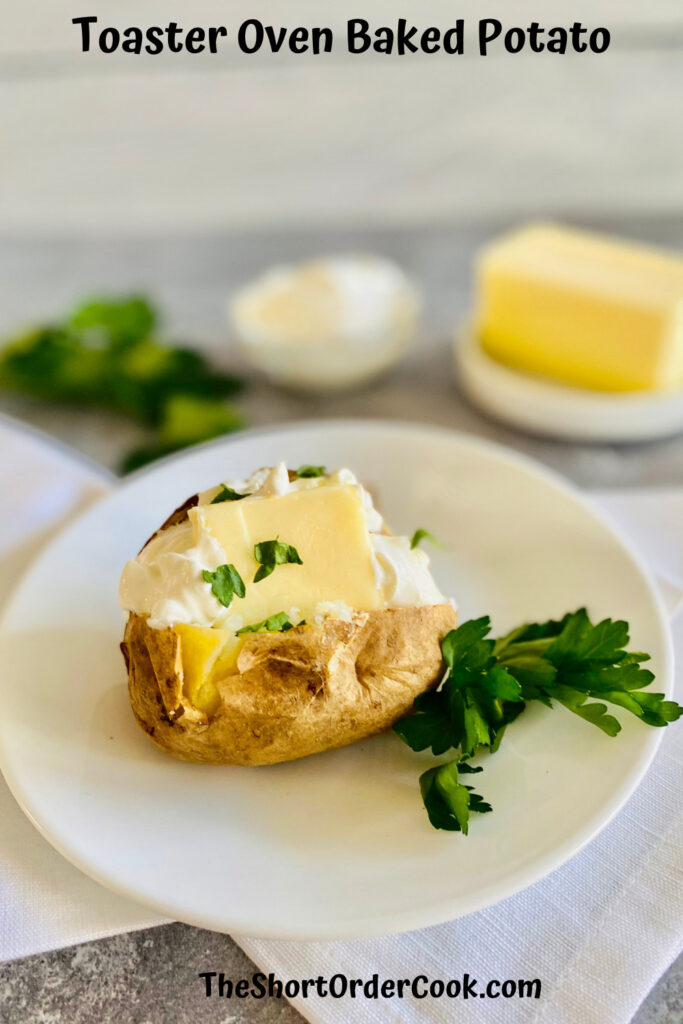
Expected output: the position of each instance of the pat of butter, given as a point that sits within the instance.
(327, 527)
(592, 312)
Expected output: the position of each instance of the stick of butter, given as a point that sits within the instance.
(590, 311)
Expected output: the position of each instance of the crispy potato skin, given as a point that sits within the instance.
(295, 693)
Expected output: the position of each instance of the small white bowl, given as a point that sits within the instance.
(557, 410)
(327, 325)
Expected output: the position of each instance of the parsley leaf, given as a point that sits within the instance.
(421, 535)
(273, 624)
(310, 471)
(580, 641)
(270, 553)
(466, 644)
(225, 583)
(465, 768)
(430, 726)
(227, 494)
(122, 323)
(573, 660)
(448, 801)
(473, 704)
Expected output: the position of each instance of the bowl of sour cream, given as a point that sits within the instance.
(327, 325)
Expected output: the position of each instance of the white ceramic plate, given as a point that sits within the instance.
(337, 845)
(556, 410)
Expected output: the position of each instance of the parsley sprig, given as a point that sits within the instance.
(570, 661)
(108, 353)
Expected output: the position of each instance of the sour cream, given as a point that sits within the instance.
(165, 581)
(326, 325)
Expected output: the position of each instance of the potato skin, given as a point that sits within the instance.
(296, 693)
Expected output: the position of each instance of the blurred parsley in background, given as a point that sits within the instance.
(107, 354)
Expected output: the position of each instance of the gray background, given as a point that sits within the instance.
(141, 143)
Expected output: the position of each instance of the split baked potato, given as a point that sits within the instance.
(221, 695)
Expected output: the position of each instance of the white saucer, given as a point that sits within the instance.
(555, 410)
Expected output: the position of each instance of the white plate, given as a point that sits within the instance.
(337, 845)
(571, 414)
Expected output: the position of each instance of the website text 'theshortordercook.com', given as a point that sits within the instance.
(215, 984)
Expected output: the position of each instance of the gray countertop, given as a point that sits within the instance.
(151, 976)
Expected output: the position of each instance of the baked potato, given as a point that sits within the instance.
(263, 692)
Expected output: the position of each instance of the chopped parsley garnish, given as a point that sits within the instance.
(310, 471)
(227, 494)
(421, 535)
(225, 582)
(270, 553)
(572, 662)
(273, 624)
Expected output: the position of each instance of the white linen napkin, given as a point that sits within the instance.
(45, 903)
(598, 932)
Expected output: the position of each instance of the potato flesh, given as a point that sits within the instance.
(201, 648)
